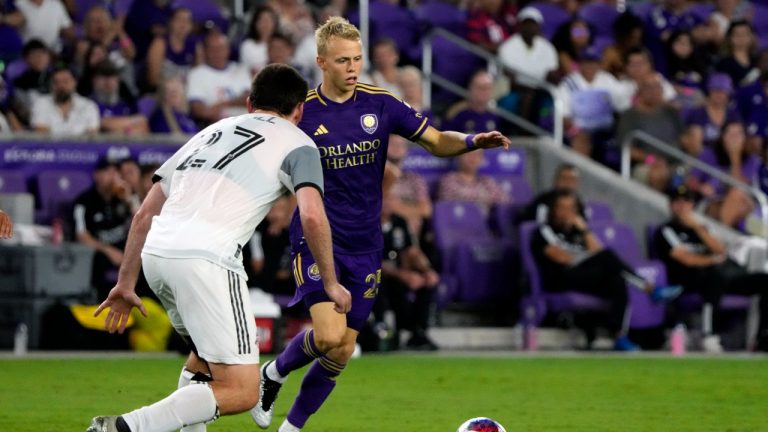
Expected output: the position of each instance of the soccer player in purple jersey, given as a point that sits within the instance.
(350, 122)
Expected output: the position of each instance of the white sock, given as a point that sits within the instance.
(287, 427)
(706, 319)
(184, 380)
(186, 406)
(274, 375)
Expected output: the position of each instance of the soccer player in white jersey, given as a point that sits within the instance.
(205, 204)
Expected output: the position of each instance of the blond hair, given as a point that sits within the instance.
(336, 26)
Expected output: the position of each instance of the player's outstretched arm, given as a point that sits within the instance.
(317, 231)
(6, 225)
(451, 143)
(122, 298)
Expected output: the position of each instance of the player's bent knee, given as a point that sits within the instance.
(328, 341)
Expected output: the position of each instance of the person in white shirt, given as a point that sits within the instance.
(207, 201)
(639, 67)
(532, 58)
(589, 98)
(528, 53)
(46, 20)
(217, 88)
(64, 112)
(253, 50)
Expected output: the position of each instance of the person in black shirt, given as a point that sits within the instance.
(270, 250)
(698, 261)
(408, 280)
(101, 222)
(566, 178)
(571, 258)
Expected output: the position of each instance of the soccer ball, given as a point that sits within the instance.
(481, 424)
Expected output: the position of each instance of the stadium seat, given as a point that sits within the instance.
(483, 271)
(437, 13)
(621, 239)
(760, 24)
(453, 221)
(554, 17)
(454, 64)
(394, 22)
(57, 190)
(540, 302)
(517, 188)
(600, 17)
(599, 212)
(12, 182)
(10, 43)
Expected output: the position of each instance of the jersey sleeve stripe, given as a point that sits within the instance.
(420, 130)
(305, 184)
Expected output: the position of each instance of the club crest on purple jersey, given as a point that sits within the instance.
(369, 122)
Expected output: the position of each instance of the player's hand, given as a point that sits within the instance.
(487, 140)
(340, 296)
(120, 301)
(6, 225)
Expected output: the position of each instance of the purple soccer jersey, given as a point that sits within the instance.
(353, 138)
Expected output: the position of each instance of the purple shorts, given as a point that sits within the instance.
(360, 274)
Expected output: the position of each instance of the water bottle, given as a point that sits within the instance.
(530, 338)
(677, 340)
(21, 340)
(57, 232)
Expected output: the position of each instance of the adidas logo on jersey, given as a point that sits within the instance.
(321, 130)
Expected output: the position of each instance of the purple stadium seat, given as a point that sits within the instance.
(542, 301)
(10, 43)
(599, 212)
(554, 17)
(453, 221)
(517, 189)
(483, 271)
(204, 11)
(504, 163)
(620, 238)
(453, 63)
(600, 16)
(12, 182)
(437, 13)
(646, 313)
(394, 22)
(57, 190)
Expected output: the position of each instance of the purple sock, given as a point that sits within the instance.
(317, 385)
(299, 353)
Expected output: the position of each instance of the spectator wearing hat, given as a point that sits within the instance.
(706, 122)
(532, 59)
(698, 261)
(117, 115)
(589, 98)
(101, 220)
(64, 112)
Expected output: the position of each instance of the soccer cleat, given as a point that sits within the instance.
(103, 424)
(624, 344)
(268, 389)
(666, 293)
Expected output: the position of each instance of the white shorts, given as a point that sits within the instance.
(209, 304)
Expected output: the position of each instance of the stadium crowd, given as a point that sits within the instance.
(693, 74)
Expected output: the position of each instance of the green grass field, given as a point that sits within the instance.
(426, 393)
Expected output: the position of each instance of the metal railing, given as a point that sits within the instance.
(430, 77)
(661, 146)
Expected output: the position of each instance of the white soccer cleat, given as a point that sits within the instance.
(103, 424)
(268, 389)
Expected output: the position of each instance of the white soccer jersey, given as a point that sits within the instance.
(221, 184)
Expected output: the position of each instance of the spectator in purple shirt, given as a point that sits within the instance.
(473, 115)
(117, 115)
(172, 112)
(727, 204)
(175, 53)
(707, 122)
